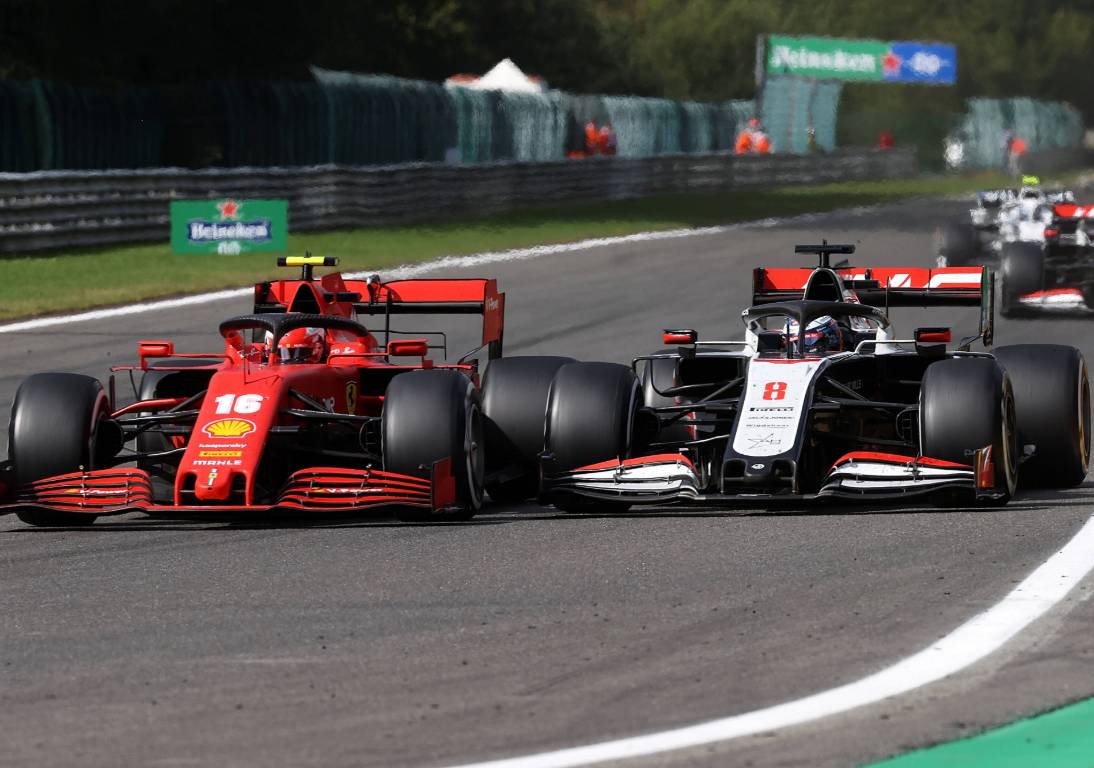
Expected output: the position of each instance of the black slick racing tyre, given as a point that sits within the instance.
(55, 429)
(432, 415)
(1021, 271)
(1052, 400)
(957, 245)
(590, 416)
(514, 403)
(658, 375)
(966, 404)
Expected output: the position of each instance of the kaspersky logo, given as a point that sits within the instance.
(229, 428)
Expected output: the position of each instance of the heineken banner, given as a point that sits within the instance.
(828, 58)
(229, 226)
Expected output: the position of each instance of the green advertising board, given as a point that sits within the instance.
(229, 226)
(830, 58)
(825, 58)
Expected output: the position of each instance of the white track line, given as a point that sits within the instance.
(410, 270)
(969, 643)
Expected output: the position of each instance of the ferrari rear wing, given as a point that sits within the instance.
(331, 294)
(438, 296)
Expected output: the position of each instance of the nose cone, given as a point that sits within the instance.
(215, 484)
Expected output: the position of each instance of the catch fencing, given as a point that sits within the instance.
(61, 210)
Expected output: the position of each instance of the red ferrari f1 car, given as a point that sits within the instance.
(303, 410)
(822, 399)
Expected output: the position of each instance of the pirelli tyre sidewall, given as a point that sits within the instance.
(1021, 272)
(1052, 399)
(432, 415)
(590, 418)
(56, 426)
(965, 404)
(514, 401)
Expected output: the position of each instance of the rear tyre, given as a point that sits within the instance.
(514, 403)
(429, 416)
(966, 404)
(1021, 270)
(55, 429)
(957, 245)
(590, 416)
(1052, 401)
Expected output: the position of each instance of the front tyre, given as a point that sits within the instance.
(1021, 272)
(1052, 399)
(590, 418)
(56, 421)
(966, 404)
(429, 416)
(514, 399)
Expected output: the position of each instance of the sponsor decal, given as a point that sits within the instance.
(840, 59)
(351, 397)
(221, 446)
(767, 428)
(219, 454)
(229, 226)
(229, 428)
(217, 462)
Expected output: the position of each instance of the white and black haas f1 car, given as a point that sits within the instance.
(822, 400)
(1055, 275)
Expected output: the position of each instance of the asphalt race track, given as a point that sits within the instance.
(370, 643)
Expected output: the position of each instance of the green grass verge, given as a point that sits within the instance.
(1063, 738)
(36, 285)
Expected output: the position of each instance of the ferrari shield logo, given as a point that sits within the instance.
(351, 397)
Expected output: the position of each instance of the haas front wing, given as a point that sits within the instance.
(762, 458)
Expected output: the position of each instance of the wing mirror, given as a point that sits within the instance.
(679, 336)
(408, 348)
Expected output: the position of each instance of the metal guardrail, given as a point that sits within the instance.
(55, 210)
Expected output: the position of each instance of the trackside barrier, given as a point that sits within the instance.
(52, 210)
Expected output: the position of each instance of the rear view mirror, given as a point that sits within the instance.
(408, 348)
(679, 336)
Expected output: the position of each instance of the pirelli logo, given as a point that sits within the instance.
(220, 454)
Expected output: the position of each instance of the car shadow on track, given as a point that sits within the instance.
(216, 524)
(1040, 500)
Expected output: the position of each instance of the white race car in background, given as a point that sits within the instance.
(1001, 216)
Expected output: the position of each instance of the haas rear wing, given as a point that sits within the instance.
(883, 286)
(887, 287)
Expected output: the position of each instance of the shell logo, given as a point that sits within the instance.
(229, 428)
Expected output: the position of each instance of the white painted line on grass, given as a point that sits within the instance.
(411, 270)
(969, 643)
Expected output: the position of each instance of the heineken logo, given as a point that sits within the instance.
(787, 57)
(257, 230)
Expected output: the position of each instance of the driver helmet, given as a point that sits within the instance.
(822, 336)
(303, 345)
